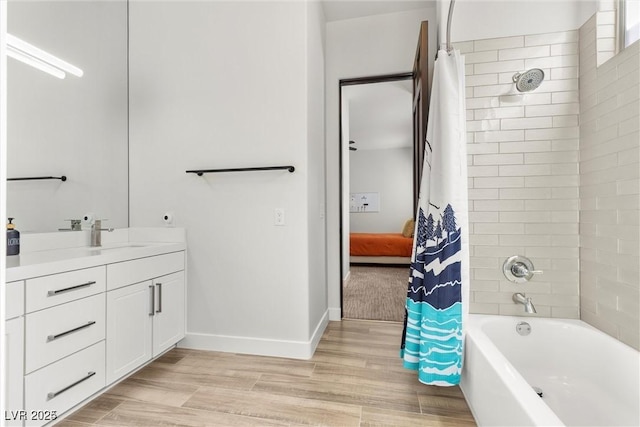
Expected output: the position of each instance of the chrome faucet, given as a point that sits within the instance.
(519, 298)
(96, 233)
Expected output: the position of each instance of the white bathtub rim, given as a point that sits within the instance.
(532, 405)
(511, 378)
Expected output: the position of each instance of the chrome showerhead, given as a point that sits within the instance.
(529, 80)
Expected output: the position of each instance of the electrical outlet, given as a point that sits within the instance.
(278, 216)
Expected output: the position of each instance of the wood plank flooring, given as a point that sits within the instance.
(355, 378)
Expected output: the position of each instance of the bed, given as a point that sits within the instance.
(380, 248)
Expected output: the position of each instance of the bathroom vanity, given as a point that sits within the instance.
(81, 318)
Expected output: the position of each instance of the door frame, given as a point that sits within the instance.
(351, 82)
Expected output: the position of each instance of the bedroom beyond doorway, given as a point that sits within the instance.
(375, 292)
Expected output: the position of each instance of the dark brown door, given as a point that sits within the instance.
(420, 107)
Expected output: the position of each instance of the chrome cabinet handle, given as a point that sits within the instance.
(70, 331)
(53, 394)
(71, 288)
(159, 310)
(153, 300)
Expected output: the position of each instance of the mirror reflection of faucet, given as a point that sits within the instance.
(76, 225)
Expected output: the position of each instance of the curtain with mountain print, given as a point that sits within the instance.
(438, 286)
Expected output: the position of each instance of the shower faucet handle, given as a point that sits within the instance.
(519, 269)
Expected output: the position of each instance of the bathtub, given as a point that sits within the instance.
(586, 377)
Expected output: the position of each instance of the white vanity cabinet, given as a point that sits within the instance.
(14, 353)
(79, 319)
(147, 317)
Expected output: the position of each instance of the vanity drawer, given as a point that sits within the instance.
(64, 384)
(64, 329)
(47, 291)
(128, 272)
(14, 297)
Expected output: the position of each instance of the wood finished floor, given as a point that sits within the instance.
(355, 378)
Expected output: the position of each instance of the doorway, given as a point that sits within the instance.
(419, 114)
(377, 191)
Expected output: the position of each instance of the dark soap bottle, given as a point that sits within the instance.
(13, 239)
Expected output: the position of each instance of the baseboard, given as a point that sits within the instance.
(257, 346)
(335, 314)
(346, 278)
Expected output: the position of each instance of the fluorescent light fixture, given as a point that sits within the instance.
(38, 58)
(35, 63)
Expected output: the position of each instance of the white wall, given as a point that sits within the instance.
(76, 126)
(370, 46)
(316, 165)
(479, 19)
(220, 85)
(389, 173)
(609, 188)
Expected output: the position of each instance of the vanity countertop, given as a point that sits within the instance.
(56, 260)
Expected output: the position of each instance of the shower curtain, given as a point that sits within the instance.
(438, 286)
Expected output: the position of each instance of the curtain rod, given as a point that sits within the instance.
(451, 4)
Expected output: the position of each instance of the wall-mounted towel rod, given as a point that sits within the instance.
(34, 178)
(263, 168)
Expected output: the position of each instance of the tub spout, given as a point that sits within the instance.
(519, 298)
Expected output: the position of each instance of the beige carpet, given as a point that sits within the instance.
(375, 293)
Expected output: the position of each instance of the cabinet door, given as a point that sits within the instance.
(14, 368)
(129, 328)
(169, 321)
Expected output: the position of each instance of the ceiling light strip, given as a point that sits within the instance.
(35, 63)
(20, 47)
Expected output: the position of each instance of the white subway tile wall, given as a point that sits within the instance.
(609, 186)
(605, 41)
(523, 171)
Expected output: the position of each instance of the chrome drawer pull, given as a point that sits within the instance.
(70, 331)
(159, 310)
(153, 300)
(52, 394)
(72, 288)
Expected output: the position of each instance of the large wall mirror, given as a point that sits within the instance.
(75, 127)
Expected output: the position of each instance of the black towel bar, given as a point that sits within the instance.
(263, 168)
(33, 178)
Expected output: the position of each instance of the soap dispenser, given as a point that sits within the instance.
(13, 239)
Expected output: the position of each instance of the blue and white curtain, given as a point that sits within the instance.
(438, 288)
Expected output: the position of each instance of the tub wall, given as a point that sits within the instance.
(523, 171)
(609, 183)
